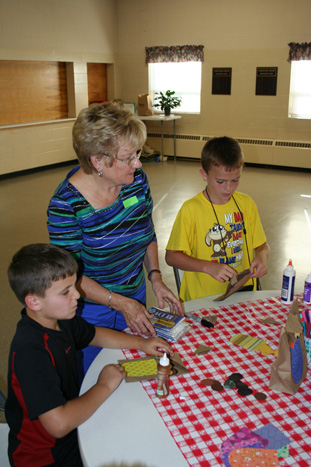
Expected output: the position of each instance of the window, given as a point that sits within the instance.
(182, 77)
(300, 90)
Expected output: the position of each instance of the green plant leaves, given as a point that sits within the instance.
(167, 99)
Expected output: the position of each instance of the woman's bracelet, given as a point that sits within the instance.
(152, 271)
(109, 300)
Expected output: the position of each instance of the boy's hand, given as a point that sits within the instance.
(221, 272)
(258, 266)
(111, 377)
(258, 269)
(152, 345)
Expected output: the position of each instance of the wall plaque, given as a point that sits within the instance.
(266, 81)
(221, 81)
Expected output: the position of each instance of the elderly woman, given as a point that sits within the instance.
(102, 214)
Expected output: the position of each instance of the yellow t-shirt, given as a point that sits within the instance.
(196, 232)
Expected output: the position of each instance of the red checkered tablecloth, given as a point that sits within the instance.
(200, 419)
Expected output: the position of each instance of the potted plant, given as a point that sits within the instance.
(167, 101)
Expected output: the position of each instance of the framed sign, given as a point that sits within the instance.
(221, 83)
(266, 81)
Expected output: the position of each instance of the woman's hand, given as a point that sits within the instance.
(164, 294)
(137, 317)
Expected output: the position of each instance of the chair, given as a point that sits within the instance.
(2, 401)
(178, 273)
(4, 432)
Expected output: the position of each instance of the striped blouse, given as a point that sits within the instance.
(109, 244)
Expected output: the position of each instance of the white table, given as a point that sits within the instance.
(162, 119)
(127, 430)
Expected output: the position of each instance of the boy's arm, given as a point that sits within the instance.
(112, 339)
(219, 271)
(261, 253)
(65, 418)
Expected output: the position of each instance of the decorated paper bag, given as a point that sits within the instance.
(290, 368)
(144, 105)
(235, 284)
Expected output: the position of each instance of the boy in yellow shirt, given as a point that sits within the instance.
(217, 233)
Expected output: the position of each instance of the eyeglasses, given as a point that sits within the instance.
(129, 160)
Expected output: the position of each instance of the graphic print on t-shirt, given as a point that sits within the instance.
(227, 240)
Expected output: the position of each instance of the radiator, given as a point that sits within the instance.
(256, 151)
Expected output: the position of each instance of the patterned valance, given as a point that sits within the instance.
(299, 51)
(178, 53)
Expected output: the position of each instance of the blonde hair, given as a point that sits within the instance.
(100, 129)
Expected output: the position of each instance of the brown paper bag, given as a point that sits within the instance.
(290, 368)
(144, 105)
(235, 284)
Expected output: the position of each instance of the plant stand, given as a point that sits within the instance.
(162, 119)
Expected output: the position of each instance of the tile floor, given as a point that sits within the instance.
(283, 199)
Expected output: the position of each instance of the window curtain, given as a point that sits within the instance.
(178, 53)
(299, 51)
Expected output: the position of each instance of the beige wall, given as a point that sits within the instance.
(73, 31)
(242, 34)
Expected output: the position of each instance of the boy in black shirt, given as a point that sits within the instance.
(43, 406)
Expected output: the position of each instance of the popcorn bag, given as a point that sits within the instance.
(144, 105)
(290, 368)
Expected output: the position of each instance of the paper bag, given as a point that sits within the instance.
(290, 368)
(144, 105)
(235, 284)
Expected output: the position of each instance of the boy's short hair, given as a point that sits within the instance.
(222, 152)
(34, 268)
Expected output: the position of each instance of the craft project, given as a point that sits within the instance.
(260, 448)
(235, 284)
(277, 439)
(283, 452)
(202, 349)
(140, 369)
(146, 368)
(253, 343)
(241, 439)
(252, 316)
(253, 457)
(268, 321)
(178, 367)
(290, 368)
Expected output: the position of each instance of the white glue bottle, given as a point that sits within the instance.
(164, 368)
(288, 283)
(307, 290)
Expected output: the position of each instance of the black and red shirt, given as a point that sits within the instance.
(43, 374)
